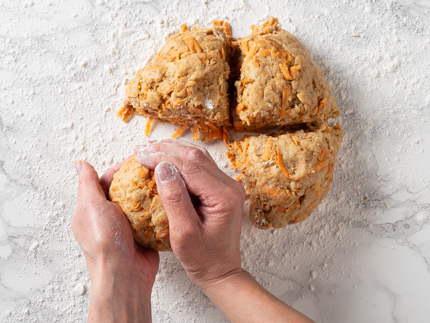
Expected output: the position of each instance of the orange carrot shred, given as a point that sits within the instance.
(225, 136)
(294, 139)
(322, 164)
(148, 127)
(179, 132)
(282, 166)
(322, 104)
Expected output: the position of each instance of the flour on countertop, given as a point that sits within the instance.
(64, 67)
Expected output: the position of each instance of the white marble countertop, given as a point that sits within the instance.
(363, 256)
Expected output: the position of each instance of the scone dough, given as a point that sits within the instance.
(186, 83)
(288, 175)
(133, 188)
(279, 84)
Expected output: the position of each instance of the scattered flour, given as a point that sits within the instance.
(63, 76)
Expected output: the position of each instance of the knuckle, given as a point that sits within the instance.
(241, 190)
(233, 198)
(195, 155)
(86, 180)
(173, 197)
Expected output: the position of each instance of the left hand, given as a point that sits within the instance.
(118, 267)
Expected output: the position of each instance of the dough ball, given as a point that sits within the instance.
(133, 188)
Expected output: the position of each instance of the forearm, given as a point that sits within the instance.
(118, 298)
(242, 299)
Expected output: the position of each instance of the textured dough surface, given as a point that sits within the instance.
(186, 83)
(286, 176)
(280, 84)
(133, 188)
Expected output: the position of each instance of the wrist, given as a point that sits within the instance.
(232, 278)
(118, 295)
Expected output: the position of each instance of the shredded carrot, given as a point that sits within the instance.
(252, 52)
(326, 153)
(148, 127)
(297, 218)
(238, 147)
(245, 48)
(294, 139)
(222, 53)
(322, 164)
(314, 112)
(196, 135)
(225, 25)
(240, 107)
(293, 71)
(225, 136)
(208, 136)
(337, 127)
(179, 132)
(126, 112)
(264, 52)
(267, 150)
(192, 45)
(285, 72)
(322, 104)
(330, 171)
(184, 28)
(282, 166)
(212, 126)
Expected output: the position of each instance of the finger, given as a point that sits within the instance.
(199, 181)
(89, 187)
(107, 177)
(184, 222)
(179, 148)
(186, 154)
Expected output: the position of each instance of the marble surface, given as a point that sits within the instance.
(364, 255)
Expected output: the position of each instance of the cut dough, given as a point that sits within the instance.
(186, 83)
(288, 175)
(279, 82)
(133, 188)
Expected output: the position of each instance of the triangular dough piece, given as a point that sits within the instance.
(280, 84)
(288, 175)
(133, 188)
(186, 83)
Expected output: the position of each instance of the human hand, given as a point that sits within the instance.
(122, 273)
(204, 238)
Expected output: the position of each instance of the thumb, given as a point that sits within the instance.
(89, 187)
(184, 222)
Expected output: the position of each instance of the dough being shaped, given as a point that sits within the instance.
(279, 83)
(288, 175)
(186, 83)
(133, 188)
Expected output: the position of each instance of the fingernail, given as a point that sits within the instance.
(166, 172)
(78, 166)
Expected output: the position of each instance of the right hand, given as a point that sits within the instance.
(205, 238)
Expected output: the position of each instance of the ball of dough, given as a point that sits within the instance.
(133, 188)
